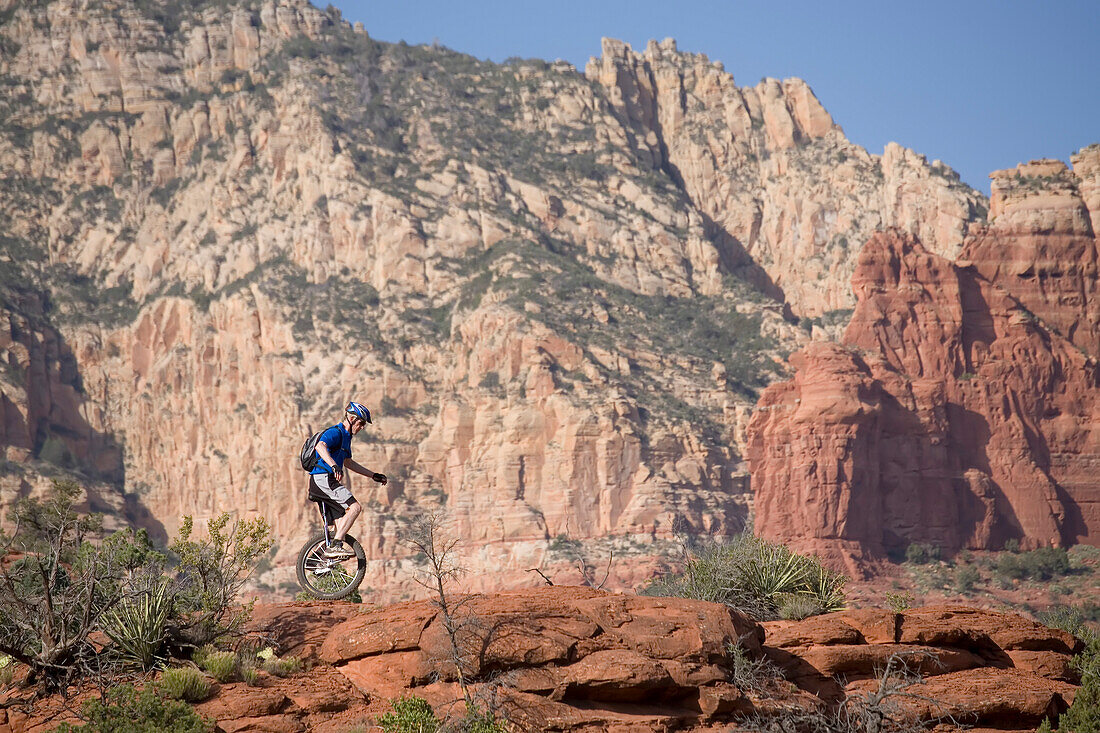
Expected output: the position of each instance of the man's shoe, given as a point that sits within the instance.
(337, 551)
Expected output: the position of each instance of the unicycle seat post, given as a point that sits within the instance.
(325, 521)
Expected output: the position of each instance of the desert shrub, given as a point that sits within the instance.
(222, 666)
(899, 602)
(753, 576)
(1083, 715)
(1041, 564)
(184, 683)
(409, 715)
(481, 721)
(797, 607)
(751, 675)
(211, 573)
(922, 554)
(282, 666)
(128, 711)
(966, 578)
(62, 585)
(250, 675)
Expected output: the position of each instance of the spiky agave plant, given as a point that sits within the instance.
(774, 570)
(826, 587)
(136, 626)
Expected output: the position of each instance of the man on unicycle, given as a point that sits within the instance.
(327, 477)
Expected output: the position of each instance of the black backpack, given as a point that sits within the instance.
(309, 452)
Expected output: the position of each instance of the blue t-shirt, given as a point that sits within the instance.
(338, 441)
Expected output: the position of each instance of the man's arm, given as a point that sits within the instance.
(322, 451)
(358, 468)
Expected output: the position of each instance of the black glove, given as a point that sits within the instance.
(380, 478)
(337, 471)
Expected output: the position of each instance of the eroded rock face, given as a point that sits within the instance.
(773, 173)
(949, 414)
(236, 233)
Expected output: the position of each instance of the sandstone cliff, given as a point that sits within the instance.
(559, 297)
(960, 408)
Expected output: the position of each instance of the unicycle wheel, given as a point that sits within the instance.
(329, 579)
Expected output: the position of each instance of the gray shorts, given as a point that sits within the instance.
(324, 483)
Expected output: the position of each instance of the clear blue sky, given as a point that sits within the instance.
(979, 84)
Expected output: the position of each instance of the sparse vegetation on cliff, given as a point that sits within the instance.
(763, 579)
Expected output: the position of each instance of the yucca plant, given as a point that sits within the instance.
(826, 587)
(757, 577)
(774, 570)
(136, 626)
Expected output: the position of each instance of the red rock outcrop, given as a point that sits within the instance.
(950, 414)
(978, 666)
(578, 659)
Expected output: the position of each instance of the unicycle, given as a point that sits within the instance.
(327, 578)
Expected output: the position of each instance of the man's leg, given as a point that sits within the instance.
(343, 524)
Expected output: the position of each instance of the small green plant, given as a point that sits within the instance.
(214, 570)
(481, 721)
(200, 655)
(797, 607)
(7, 670)
(409, 715)
(126, 710)
(282, 666)
(899, 602)
(184, 683)
(250, 675)
(136, 625)
(222, 666)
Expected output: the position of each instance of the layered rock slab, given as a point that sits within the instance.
(960, 662)
(950, 414)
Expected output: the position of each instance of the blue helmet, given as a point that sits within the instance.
(356, 409)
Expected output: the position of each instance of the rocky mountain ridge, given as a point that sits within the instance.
(560, 293)
(959, 409)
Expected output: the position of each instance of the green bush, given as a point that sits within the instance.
(249, 674)
(922, 554)
(409, 715)
(212, 572)
(222, 666)
(1083, 715)
(1041, 564)
(966, 578)
(128, 711)
(753, 576)
(797, 607)
(184, 683)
